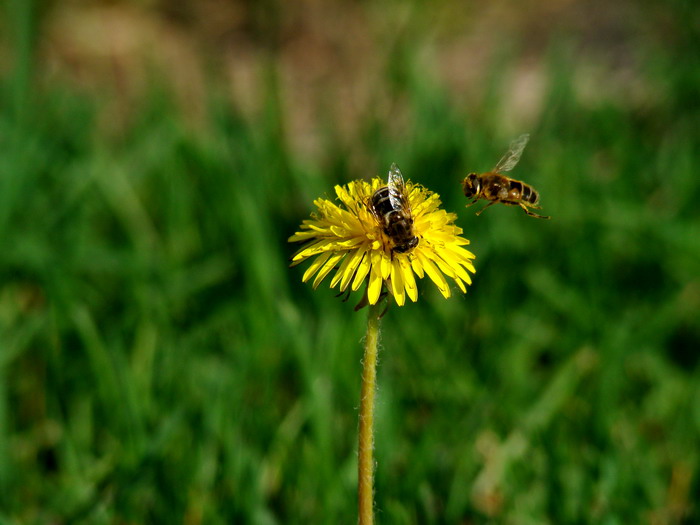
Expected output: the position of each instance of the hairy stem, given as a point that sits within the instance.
(365, 460)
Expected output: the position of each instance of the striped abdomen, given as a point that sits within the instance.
(382, 204)
(519, 191)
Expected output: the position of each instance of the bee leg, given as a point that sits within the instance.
(472, 202)
(533, 214)
(482, 209)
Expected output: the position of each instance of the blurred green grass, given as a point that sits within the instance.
(161, 363)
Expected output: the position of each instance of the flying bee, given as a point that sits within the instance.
(495, 187)
(391, 210)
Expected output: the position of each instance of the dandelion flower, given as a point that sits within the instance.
(347, 238)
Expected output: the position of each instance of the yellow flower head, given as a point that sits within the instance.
(353, 241)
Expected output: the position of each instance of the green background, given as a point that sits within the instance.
(159, 361)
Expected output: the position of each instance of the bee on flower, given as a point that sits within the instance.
(384, 234)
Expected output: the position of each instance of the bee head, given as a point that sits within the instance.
(471, 185)
(407, 246)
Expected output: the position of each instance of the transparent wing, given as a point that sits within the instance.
(511, 158)
(397, 189)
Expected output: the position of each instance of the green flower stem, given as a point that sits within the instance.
(365, 460)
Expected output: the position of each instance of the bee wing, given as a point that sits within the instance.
(397, 189)
(511, 158)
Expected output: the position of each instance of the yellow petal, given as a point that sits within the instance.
(456, 264)
(350, 259)
(397, 285)
(355, 260)
(344, 194)
(302, 236)
(408, 279)
(375, 285)
(300, 254)
(417, 266)
(435, 276)
(461, 273)
(376, 278)
(320, 260)
(463, 255)
(427, 206)
(385, 264)
(442, 265)
(362, 271)
(332, 261)
(311, 250)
